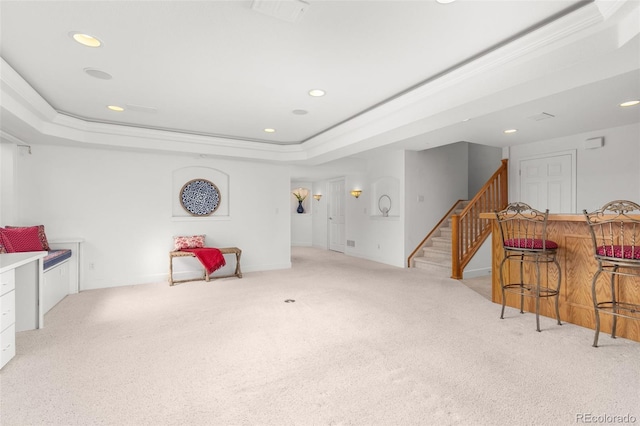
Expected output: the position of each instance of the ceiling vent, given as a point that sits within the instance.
(285, 10)
(102, 75)
(541, 116)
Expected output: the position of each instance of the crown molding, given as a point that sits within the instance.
(395, 118)
(8, 137)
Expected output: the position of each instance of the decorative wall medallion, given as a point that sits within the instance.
(200, 197)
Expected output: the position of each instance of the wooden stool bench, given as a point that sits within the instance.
(226, 250)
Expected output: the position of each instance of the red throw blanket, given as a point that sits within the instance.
(211, 258)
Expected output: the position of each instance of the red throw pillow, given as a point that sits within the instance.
(5, 244)
(17, 240)
(41, 234)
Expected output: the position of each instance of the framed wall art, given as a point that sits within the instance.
(199, 193)
(200, 197)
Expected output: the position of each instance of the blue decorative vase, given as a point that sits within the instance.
(300, 209)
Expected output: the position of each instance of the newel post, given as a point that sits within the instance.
(456, 273)
(504, 184)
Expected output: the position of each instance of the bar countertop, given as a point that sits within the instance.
(556, 217)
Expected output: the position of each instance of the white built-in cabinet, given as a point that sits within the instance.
(7, 316)
(22, 271)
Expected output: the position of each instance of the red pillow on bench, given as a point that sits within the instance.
(16, 240)
(41, 234)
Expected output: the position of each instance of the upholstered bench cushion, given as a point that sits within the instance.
(530, 243)
(629, 252)
(54, 257)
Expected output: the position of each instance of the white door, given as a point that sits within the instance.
(336, 215)
(549, 182)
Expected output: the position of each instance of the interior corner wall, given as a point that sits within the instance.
(8, 155)
(435, 179)
(120, 203)
(376, 238)
(483, 163)
(602, 175)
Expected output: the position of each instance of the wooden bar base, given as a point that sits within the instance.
(578, 266)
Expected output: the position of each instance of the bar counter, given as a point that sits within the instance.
(577, 262)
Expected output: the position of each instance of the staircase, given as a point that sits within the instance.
(435, 254)
(460, 233)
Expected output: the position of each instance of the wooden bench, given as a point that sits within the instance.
(226, 250)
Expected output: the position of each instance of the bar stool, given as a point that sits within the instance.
(524, 241)
(616, 246)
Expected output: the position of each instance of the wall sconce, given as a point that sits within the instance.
(356, 192)
(317, 196)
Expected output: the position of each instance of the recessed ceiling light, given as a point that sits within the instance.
(300, 111)
(445, 1)
(316, 92)
(115, 108)
(465, 120)
(268, 130)
(98, 73)
(85, 39)
(508, 131)
(630, 103)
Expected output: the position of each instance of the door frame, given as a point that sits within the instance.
(329, 207)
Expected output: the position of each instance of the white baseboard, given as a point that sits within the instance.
(301, 244)
(474, 273)
(178, 275)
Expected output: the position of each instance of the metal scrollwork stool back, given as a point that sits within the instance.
(616, 244)
(524, 241)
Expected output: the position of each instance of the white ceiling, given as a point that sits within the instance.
(209, 76)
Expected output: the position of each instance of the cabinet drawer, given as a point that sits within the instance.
(7, 281)
(7, 345)
(7, 310)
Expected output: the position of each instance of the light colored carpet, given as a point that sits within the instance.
(481, 285)
(363, 344)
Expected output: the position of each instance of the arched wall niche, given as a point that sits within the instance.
(388, 186)
(305, 193)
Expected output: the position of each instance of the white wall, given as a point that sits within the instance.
(483, 163)
(8, 153)
(121, 204)
(438, 177)
(377, 238)
(602, 175)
